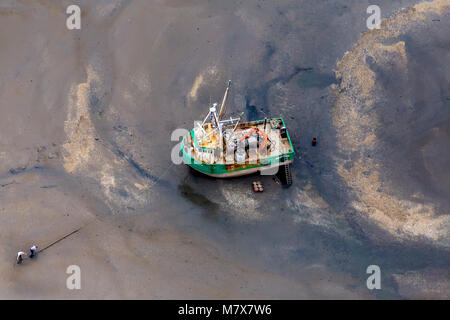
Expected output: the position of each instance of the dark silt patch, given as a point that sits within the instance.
(257, 96)
(197, 198)
(17, 170)
(414, 130)
(311, 79)
(252, 111)
(123, 193)
(52, 186)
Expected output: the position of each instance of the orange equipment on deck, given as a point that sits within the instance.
(261, 133)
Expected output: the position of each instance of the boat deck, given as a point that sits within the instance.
(277, 145)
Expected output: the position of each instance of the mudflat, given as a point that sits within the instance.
(86, 120)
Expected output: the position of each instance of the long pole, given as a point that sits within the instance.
(60, 239)
(224, 101)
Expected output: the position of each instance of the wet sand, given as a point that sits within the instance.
(85, 126)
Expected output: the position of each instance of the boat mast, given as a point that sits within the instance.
(224, 101)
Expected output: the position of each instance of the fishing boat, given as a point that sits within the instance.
(223, 148)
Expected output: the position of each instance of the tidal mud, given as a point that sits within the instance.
(85, 136)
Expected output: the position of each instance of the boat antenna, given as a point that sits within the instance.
(224, 101)
(237, 123)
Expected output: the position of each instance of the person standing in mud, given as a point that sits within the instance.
(33, 251)
(20, 256)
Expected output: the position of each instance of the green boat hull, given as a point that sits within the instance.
(234, 170)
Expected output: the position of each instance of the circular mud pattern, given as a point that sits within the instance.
(392, 115)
